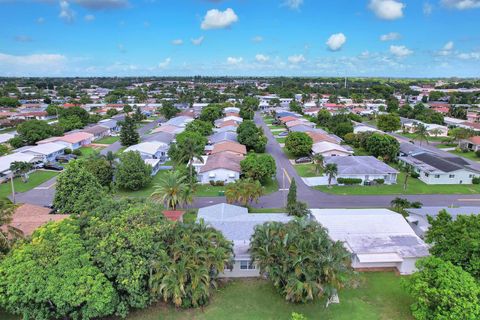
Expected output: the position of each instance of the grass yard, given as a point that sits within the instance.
(288, 154)
(36, 178)
(413, 136)
(281, 140)
(380, 296)
(207, 190)
(145, 192)
(414, 186)
(276, 127)
(266, 210)
(86, 151)
(469, 155)
(108, 140)
(306, 170)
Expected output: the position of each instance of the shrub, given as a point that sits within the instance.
(68, 151)
(415, 175)
(477, 153)
(349, 181)
(220, 183)
(379, 181)
(476, 180)
(77, 152)
(212, 183)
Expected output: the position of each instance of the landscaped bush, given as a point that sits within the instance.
(379, 181)
(414, 175)
(220, 183)
(77, 152)
(68, 151)
(476, 180)
(477, 153)
(349, 181)
(212, 183)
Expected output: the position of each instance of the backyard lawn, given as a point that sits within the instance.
(414, 186)
(379, 296)
(86, 151)
(108, 140)
(36, 178)
(413, 136)
(306, 170)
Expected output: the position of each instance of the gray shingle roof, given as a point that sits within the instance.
(360, 165)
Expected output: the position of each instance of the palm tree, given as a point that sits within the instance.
(331, 170)
(318, 162)
(421, 133)
(8, 233)
(110, 157)
(399, 205)
(188, 152)
(21, 168)
(243, 191)
(436, 132)
(171, 190)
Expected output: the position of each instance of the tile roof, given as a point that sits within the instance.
(319, 137)
(222, 160)
(228, 123)
(229, 146)
(475, 140)
(96, 129)
(174, 215)
(29, 217)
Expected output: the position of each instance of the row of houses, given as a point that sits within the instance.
(378, 239)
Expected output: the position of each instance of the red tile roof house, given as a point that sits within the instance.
(472, 143)
(222, 166)
(28, 218)
(174, 215)
(229, 146)
(72, 141)
(287, 119)
(228, 123)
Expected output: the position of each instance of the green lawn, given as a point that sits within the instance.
(207, 190)
(306, 170)
(266, 210)
(86, 151)
(469, 155)
(36, 178)
(413, 136)
(276, 127)
(281, 140)
(360, 152)
(380, 296)
(414, 186)
(190, 216)
(288, 154)
(145, 192)
(108, 140)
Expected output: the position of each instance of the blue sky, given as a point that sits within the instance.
(412, 38)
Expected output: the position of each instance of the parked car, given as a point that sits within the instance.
(283, 134)
(303, 160)
(66, 158)
(39, 165)
(53, 166)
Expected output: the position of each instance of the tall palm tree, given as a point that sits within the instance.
(318, 162)
(421, 133)
(243, 191)
(331, 170)
(188, 152)
(110, 157)
(399, 205)
(171, 190)
(22, 169)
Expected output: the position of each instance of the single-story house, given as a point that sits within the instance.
(27, 218)
(376, 238)
(237, 225)
(281, 114)
(72, 141)
(291, 124)
(367, 168)
(472, 143)
(227, 123)
(437, 169)
(46, 152)
(229, 128)
(180, 121)
(327, 149)
(222, 136)
(169, 129)
(236, 119)
(362, 128)
(229, 146)
(288, 118)
(154, 163)
(111, 124)
(301, 128)
(434, 130)
(417, 218)
(318, 136)
(7, 160)
(98, 131)
(151, 150)
(223, 166)
(231, 110)
(164, 137)
(311, 111)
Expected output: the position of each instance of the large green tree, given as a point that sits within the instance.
(211, 113)
(172, 190)
(456, 240)
(202, 127)
(243, 191)
(300, 259)
(32, 131)
(100, 167)
(258, 166)
(382, 145)
(132, 173)
(299, 144)
(251, 136)
(53, 277)
(442, 291)
(128, 133)
(189, 146)
(388, 122)
(77, 190)
(168, 110)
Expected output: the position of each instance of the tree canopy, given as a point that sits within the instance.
(251, 136)
(299, 144)
(128, 133)
(258, 166)
(382, 145)
(132, 173)
(388, 122)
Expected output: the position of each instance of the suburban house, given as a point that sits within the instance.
(180, 121)
(72, 141)
(222, 136)
(156, 164)
(46, 152)
(434, 130)
(111, 124)
(27, 218)
(362, 128)
(328, 149)
(236, 119)
(437, 169)
(231, 110)
(301, 128)
(151, 150)
(228, 123)
(229, 146)
(472, 143)
(378, 239)
(98, 131)
(223, 166)
(228, 128)
(417, 218)
(237, 225)
(164, 137)
(169, 129)
(288, 118)
(367, 168)
(291, 124)
(319, 136)
(7, 160)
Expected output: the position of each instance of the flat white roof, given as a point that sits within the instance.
(46, 148)
(379, 257)
(151, 147)
(5, 161)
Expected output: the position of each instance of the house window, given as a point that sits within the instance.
(470, 176)
(426, 174)
(246, 265)
(437, 176)
(451, 176)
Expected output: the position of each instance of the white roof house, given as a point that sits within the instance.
(326, 148)
(231, 110)
(7, 160)
(377, 238)
(151, 149)
(362, 128)
(46, 151)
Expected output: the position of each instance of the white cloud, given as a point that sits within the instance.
(336, 41)
(89, 17)
(295, 59)
(40, 20)
(427, 8)
(66, 13)
(461, 4)
(469, 56)
(234, 60)
(400, 51)
(262, 58)
(448, 46)
(197, 41)
(387, 9)
(257, 39)
(34, 64)
(446, 49)
(177, 42)
(293, 4)
(391, 36)
(165, 63)
(216, 19)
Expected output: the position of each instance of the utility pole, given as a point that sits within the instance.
(13, 188)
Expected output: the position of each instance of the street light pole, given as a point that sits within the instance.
(13, 188)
